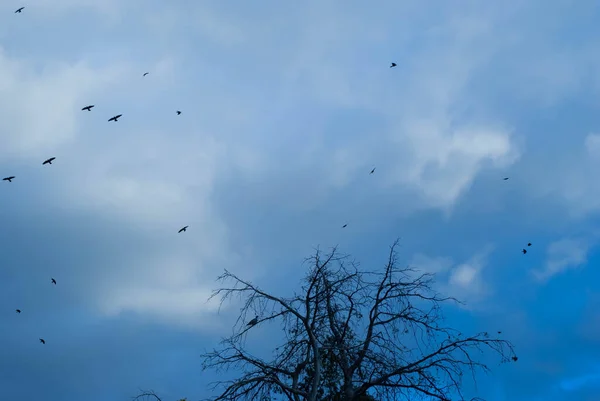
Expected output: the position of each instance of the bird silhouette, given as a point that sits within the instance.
(178, 112)
(505, 178)
(253, 321)
(88, 108)
(345, 225)
(19, 10)
(515, 358)
(183, 229)
(372, 171)
(53, 281)
(9, 179)
(529, 244)
(42, 341)
(18, 310)
(524, 251)
(146, 73)
(115, 118)
(48, 161)
(393, 65)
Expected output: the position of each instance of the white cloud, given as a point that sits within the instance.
(171, 283)
(431, 265)
(445, 162)
(572, 178)
(437, 155)
(463, 281)
(149, 181)
(145, 177)
(567, 253)
(37, 110)
(464, 275)
(592, 144)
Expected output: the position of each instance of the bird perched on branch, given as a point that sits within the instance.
(253, 321)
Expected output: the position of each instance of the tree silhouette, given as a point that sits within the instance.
(350, 334)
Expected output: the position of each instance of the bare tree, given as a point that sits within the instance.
(146, 395)
(350, 333)
(149, 395)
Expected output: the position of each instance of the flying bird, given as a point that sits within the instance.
(524, 251)
(178, 112)
(505, 178)
(115, 118)
(514, 358)
(19, 10)
(345, 225)
(53, 281)
(372, 171)
(42, 341)
(18, 310)
(9, 179)
(529, 244)
(253, 321)
(183, 229)
(88, 108)
(49, 161)
(146, 73)
(393, 65)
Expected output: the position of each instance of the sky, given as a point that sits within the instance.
(286, 108)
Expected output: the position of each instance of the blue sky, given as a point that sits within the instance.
(286, 108)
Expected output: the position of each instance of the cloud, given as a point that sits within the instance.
(153, 178)
(38, 110)
(40, 117)
(592, 144)
(464, 281)
(436, 153)
(446, 161)
(431, 265)
(575, 183)
(271, 156)
(48, 10)
(562, 255)
(574, 384)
